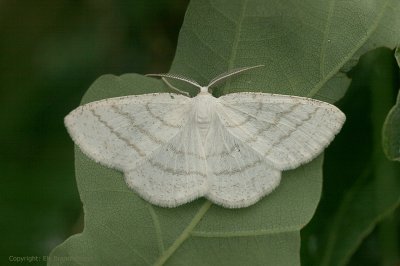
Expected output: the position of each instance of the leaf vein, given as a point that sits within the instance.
(345, 59)
(244, 233)
(186, 233)
(157, 227)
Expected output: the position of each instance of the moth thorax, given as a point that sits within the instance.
(204, 113)
(204, 89)
(203, 116)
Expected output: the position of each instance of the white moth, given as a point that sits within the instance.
(173, 149)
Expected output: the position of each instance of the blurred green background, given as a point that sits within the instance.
(50, 53)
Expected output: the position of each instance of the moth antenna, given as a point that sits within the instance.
(175, 88)
(230, 73)
(178, 77)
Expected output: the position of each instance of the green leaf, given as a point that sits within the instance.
(303, 47)
(391, 127)
(122, 228)
(391, 132)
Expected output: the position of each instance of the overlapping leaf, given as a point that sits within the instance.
(391, 129)
(361, 185)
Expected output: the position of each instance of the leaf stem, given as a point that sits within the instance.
(185, 234)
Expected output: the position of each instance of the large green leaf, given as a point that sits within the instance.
(122, 228)
(303, 45)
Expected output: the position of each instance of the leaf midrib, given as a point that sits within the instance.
(185, 234)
